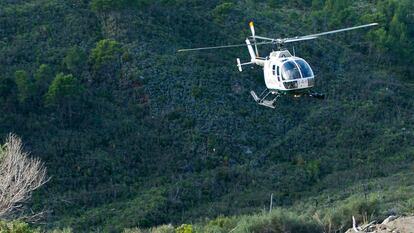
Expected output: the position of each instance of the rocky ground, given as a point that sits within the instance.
(391, 224)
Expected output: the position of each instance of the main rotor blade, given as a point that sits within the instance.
(219, 47)
(295, 39)
(262, 38)
(314, 36)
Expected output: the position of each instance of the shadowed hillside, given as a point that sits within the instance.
(135, 134)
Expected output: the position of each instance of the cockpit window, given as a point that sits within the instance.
(290, 71)
(304, 68)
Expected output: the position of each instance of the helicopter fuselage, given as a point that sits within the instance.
(286, 73)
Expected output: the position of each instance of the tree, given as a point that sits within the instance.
(110, 5)
(75, 59)
(20, 175)
(24, 86)
(8, 94)
(394, 37)
(106, 59)
(63, 89)
(43, 76)
(63, 93)
(106, 51)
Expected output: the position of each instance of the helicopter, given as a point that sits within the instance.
(284, 73)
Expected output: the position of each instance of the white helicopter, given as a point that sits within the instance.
(283, 73)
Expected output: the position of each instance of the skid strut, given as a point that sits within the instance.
(316, 95)
(261, 99)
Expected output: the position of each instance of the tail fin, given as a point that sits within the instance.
(251, 51)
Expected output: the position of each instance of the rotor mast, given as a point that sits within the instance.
(279, 42)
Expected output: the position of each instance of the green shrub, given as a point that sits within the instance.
(24, 85)
(133, 230)
(220, 225)
(362, 209)
(278, 221)
(163, 229)
(113, 5)
(64, 88)
(185, 228)
(15, 227)
(75, 59)
(64, 230)
(106, 51)
(220, 12)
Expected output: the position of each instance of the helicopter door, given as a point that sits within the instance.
(270, 75)
(275, 74)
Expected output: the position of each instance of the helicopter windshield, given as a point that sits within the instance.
(290, 71)
(304, 68)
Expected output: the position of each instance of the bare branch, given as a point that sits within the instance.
(20, 175)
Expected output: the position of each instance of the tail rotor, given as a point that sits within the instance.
(251, 24)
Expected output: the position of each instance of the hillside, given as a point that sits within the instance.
(135, 134)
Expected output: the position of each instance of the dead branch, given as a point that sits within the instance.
(20, 175)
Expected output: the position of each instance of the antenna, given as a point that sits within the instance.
(294, 52)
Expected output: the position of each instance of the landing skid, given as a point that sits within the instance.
(261, 99)
(316, 95)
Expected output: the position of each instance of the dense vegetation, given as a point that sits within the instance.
(136, 135)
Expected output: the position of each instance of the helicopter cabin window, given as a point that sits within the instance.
(278, 73)
(304, 68)
(290, 71)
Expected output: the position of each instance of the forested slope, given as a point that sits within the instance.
(135, 134)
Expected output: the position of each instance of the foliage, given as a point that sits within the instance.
(279, 220)
(394, 36)
(24, 85)
(106, 51)
(111, 5)
(64, 230)
(43, 76)
(137, 135)
(163, 229)
(221, 10)
(75, 60)
(184, 228)
(63, 89)
(132, 230)
(364, 211)
(15, 227)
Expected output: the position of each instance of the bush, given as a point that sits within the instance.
(278, 221)
(105, 52)
(112, 5)
(163, 229)
(15, 227)
(64, 88)
(64, 230)
(133, 230)
(24, 85)
(362, 209)
(75, 59)
(185, 228)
